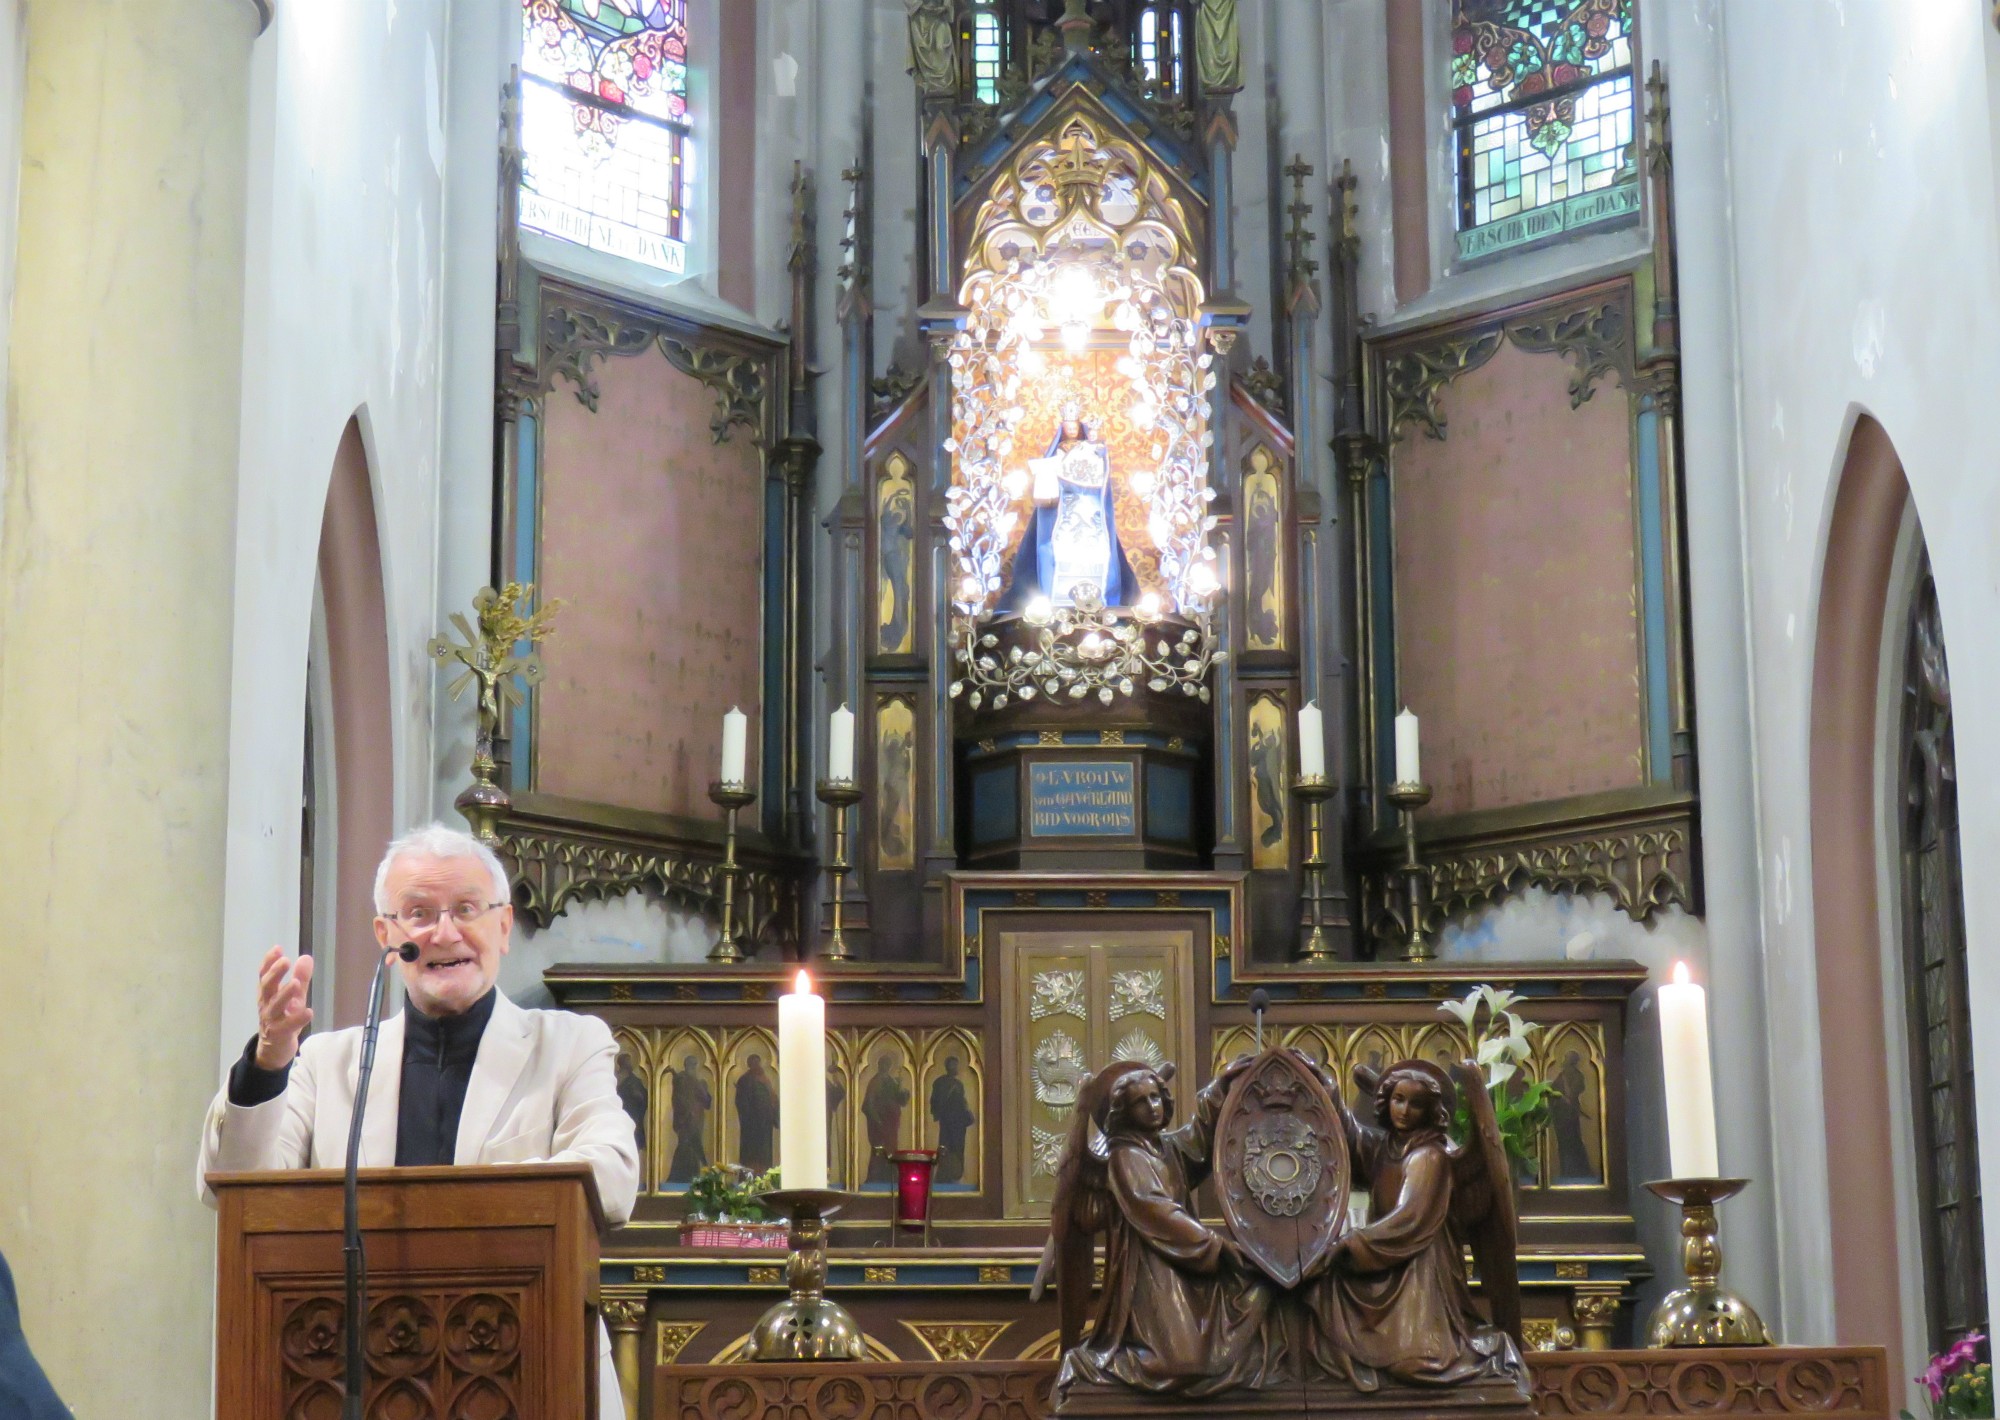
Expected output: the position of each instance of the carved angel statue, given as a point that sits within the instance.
(1180, 1310)
(1391, 1299)
(1285, 1293)
(933, 48)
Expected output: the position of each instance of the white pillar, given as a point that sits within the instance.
(115, 559)
(1689, 42)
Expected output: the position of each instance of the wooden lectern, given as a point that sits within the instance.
(482, 1293)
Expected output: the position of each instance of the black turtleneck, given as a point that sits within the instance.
(437, 1065)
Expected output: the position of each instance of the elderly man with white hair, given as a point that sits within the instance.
(462, 1076)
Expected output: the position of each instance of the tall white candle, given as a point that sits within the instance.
(1312, 741)
(1408, 768)
(802, 1087)
(735, 745)
(1691, 1148)
(840, 745)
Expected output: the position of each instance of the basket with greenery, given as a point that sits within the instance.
(726, 1209)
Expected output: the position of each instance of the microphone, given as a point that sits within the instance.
(1260, 1002)
(357, 1261)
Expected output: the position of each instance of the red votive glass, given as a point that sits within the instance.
(913, 1187)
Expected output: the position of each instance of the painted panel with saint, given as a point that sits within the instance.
(1270, 816)
(886, 1097)
(895, 784)
(896, 556)
(952, 1098)
(1264, 553)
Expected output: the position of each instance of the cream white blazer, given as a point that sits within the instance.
(544, 1085)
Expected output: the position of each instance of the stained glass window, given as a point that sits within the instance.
(604, 125)
(986, 52)
(1934, 980)
(1542, 104)
(1159, 47)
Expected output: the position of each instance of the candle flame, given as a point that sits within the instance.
(1680, 973)
(804, 985)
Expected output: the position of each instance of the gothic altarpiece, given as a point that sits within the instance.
(1084, 573)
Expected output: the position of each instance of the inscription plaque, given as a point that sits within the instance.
(1093, 800)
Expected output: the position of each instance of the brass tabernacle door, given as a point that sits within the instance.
(1073, 1000)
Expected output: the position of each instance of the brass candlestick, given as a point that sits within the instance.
(1408, 798)
(1313, 946)
(840, 795)
(806, 1326)
(1703, 1313)
(733, 799)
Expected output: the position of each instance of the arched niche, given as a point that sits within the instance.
(356, 673)
(1870, 501)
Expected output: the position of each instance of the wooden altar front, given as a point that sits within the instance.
(1041, 974)
(1850, 1383)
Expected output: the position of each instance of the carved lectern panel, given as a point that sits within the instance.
(482, 1293)
(454, 1353)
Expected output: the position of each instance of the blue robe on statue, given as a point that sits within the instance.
(1081, 517)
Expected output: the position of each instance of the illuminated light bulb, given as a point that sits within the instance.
(1039, 611)
(1091, 646)
(969, 588)
(1075, 336)
(1149, 606)
(1016, 484)
(1201, 579)
(1033, 362)
(1141, 483)
(1143, 415)
(1073, 295)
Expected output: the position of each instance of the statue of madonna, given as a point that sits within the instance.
(1073, 539)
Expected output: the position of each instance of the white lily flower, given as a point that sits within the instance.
(1501, 1058)
(1462, 1011)
(1500, 1001)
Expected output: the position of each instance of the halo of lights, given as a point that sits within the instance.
(1082, 246)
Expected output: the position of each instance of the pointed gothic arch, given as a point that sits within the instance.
(1861, 861)
(351, 591)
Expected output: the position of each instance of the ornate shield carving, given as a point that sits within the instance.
(1281, 1165)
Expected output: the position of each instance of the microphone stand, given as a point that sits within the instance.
(357, 1262)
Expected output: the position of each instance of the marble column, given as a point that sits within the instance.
(116, 552)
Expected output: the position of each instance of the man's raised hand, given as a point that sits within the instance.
(282, 1012)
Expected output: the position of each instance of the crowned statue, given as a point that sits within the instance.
(1073, 538)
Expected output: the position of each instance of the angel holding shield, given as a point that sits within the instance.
(1180, 1311)
(1390, 1299)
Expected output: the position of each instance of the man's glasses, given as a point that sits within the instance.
(422, 917)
